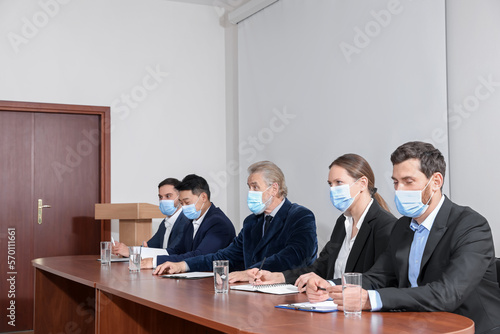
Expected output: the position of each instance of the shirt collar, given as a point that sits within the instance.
(173, 218)
(276, 209)
(200, 220)
(429, 221)
(348, 219)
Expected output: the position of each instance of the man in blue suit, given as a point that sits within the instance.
(170, 231)
(210, 229)
(282, 232)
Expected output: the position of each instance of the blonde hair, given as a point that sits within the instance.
(271, 174)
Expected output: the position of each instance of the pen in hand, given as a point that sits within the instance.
(260, 268)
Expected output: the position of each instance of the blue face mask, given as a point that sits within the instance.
(340, 196)
(167, 207)
(409, 202)
(254, 201)
(190, 210)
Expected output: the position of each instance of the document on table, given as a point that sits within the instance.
(190, 275)
(116, 258)
(276, 289)
(322, 307)
(152, 252)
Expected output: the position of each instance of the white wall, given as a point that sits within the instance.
(101, 53)
(473, 34)
(392, 89)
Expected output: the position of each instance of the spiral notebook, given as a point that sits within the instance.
(276, 289)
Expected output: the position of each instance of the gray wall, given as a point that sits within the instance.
(473, 44)
(343, 90)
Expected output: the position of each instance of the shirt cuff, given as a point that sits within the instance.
(331, 283)
(187, 266)
(375, 300)
(154, 262)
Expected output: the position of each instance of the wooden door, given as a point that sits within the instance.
(55, 156)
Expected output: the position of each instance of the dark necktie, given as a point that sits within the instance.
(267, 222)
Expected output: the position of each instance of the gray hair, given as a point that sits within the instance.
(271, 174)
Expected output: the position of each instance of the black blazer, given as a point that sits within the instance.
(370, 243)
(176, 234)
(457, 272)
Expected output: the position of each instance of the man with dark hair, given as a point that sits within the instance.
(277, 236)
(210, 229)
(440, 255)
(171, 229)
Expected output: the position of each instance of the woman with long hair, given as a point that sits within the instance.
(360, 234)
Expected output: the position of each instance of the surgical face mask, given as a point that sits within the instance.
(409, 202)
(190, 210)
(254, 201)
(340, 196)
(167, 207)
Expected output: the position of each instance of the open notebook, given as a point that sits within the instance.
(276, 289)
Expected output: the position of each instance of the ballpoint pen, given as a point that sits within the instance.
(260, 268)
(296, 307)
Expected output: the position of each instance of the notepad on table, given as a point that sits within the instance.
(191, 275)
(276, 289)
(322, 307)
(116, 258)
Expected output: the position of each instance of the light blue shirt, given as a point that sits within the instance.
(420, 237)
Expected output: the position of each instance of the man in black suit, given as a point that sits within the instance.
(170, 231)
(440, 255)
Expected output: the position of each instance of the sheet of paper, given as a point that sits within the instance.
(276, 289)
(326, 306)
(152, 252)
(190, 275)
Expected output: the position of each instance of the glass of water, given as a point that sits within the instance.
(351, 294)
(221, 276)
(134, 259)
(105, 253)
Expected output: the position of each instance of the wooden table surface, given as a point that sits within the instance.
(238, 311)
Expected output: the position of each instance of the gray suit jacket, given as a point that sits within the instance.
(457, 273)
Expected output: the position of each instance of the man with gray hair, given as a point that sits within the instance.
(279, 231)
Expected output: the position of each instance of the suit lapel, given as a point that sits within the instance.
(336, 241)
(437, 231)
(274, 228)
(362, 237)
(403, 252)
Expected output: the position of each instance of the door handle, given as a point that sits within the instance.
(40, 207)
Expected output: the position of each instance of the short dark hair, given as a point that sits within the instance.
(431, 159)
(169, 181)
(195, 183)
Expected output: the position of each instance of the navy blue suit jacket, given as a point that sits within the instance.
(370, 243)
(289, 242)
(176, 234)
(215, 232)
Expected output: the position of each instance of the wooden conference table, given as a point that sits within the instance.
(74, 294)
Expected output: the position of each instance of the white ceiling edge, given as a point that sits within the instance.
(248, 9)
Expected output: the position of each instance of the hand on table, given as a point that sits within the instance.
(170, 268)
(120, 249)
(314, 293)
(258, 277)
(336, 293)
(147, 263)
(301, 282)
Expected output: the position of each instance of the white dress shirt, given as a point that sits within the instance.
(197, 222)
(169, 223)
(345, 250)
